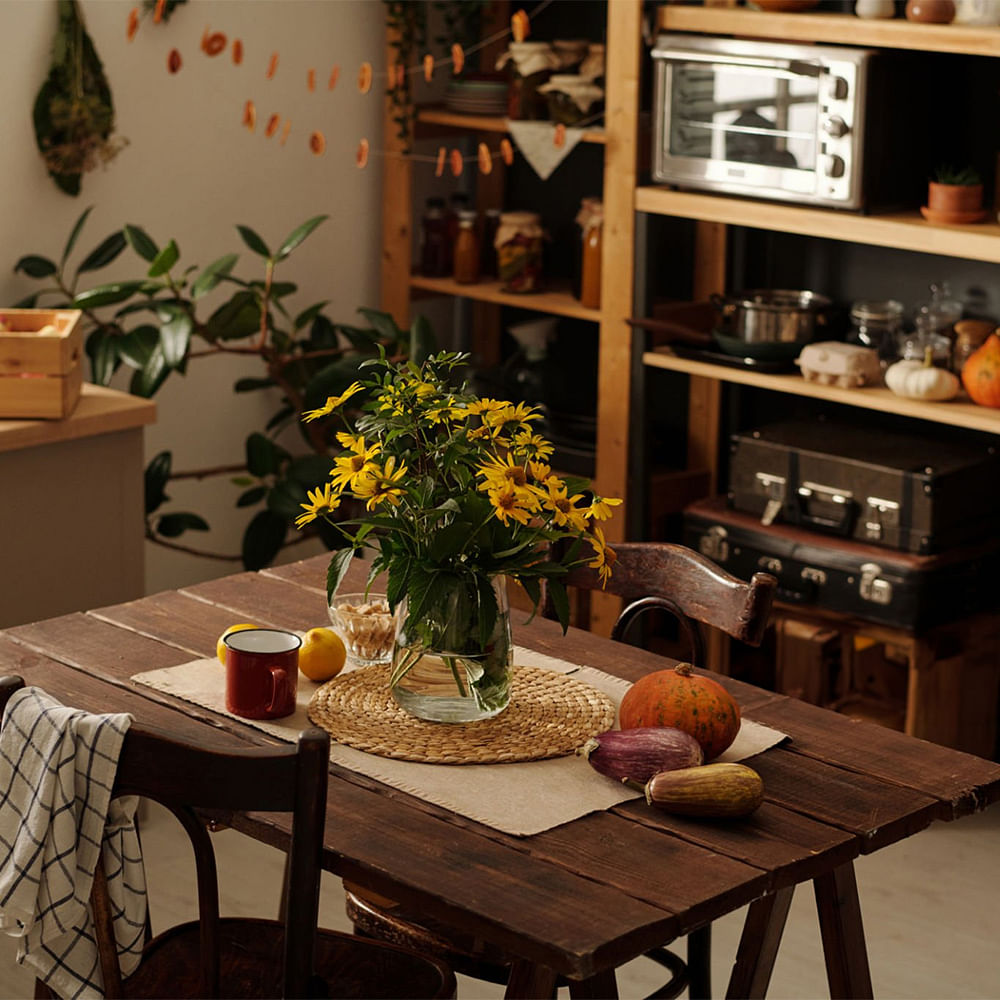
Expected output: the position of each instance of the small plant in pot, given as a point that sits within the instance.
(954, 195)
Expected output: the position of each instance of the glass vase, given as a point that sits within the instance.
(453, 661)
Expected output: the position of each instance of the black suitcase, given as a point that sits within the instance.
(897, 589)
(900, 491)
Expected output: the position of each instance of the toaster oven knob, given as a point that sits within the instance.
(838, 88)
(835, 126)
(834, 166)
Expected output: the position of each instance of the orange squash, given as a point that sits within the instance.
(699, 706)
(981, 373)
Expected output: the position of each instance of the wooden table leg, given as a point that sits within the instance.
(603, 986)
(529, 981)
(759, 942)
(843, 934)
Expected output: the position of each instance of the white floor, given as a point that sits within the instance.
(930, 907)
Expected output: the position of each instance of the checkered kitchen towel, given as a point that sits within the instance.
(57, 768)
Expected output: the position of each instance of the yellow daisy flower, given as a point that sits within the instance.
(600, 507)
(533, 445)
(321, 501)
(509, 503)
(347, 468)
(605, 555)
(565, 513)
(381, 485)
(332, 403)
(503, 472)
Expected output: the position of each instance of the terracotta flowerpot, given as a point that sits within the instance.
(930, 11)
(954, 203)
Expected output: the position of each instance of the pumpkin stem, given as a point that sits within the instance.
(684, 669)
(928, 356)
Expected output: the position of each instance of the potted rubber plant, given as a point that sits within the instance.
(954, 196)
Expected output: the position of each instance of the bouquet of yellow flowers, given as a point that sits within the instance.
(458, 494)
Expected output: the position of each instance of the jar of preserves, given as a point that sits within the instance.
(572, 99)
(877, 325)
(590, 276)
(434, 240)
(466, 249)
(488, 252)
(529, 65)
(519, 251)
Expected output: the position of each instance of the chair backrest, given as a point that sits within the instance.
(687, 585)
(184, 778)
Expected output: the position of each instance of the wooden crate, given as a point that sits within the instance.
(41, 373)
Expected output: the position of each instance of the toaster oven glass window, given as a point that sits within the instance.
(745, 115)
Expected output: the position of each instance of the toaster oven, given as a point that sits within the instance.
(791, 122)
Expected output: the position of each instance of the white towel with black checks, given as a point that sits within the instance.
(57, 768)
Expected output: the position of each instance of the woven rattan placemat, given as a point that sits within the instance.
(549, 715)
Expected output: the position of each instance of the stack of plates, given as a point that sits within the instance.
(477, 97)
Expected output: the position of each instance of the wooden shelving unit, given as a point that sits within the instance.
(446, 119)
(556, 301)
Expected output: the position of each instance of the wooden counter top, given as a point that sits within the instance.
(99, 411)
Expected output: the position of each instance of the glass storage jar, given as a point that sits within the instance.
(572, 99)
(466, 249)
(519, 251)
(877, 324)
(434, 240)
(529, 65)
(590, 278)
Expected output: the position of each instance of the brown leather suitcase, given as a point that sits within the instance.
(900, 491)
(893, 588)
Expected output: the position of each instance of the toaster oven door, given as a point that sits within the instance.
(779, 124)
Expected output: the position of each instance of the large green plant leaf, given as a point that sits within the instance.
(103, 254)
(310, 470)
(35, 267)
(75, 234)
(286, 498)
(251, 496)
(155, 480)
(340, 562)
(107, 295)
(383, 323)
(152, 375)
(213, 274)
(103, 355)
(175, 335)
(164, 260)
(263, 539)
(137, 346)
(176, 523)
(235, 319)
(252, 240)
(264, 457)
(141, 242)
(422, 340)
(297, 236)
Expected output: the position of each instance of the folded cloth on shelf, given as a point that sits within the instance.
(57, 769)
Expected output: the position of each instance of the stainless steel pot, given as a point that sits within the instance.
(769, 316)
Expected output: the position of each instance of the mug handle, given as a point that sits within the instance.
(279, 680)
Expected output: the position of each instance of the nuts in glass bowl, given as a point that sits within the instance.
(366, 625)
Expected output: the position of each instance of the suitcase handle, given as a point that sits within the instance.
(843, 500)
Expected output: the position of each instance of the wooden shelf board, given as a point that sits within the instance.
(954, 413)
(483, 123)
(898, 230)
(895, 33)
(100, 410)
(559, 301)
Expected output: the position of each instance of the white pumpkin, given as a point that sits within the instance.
(921, 380)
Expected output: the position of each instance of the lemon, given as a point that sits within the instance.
(322, 654)
(220, 646)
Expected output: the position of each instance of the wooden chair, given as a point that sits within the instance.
(242, 957)
(648, 576)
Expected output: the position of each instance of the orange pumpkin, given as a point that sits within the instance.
(981, 373)
(699, 706)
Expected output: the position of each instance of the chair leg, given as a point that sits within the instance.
(699, 963)
(758, 948)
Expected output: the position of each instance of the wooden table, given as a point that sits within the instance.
(583, 898)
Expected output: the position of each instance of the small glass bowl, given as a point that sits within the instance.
(366, 625)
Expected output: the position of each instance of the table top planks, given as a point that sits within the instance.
(582, 897)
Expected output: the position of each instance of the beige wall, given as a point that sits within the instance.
(192, 172)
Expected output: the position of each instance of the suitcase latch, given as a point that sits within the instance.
(773, 487)
(872, 587)
(882, 514)
(714, 544)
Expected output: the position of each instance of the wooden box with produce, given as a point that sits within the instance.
(40, 363)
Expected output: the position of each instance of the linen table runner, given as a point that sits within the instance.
(520, 799)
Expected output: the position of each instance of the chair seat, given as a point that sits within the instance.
(250, 965)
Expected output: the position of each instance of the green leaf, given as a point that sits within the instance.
(251, 383)
(141, 242)
(448, 541)
(152, 375)
(361, 340)
(331, 380)
(263, 539)
(74, 235)
(280, 417)
(422, 340)
(155, 480)
(104, 254)
(252, 240)
(263, 455)
(174, 524)
(286, 499)
(249, 497)
(164, 260)
(310, 470)
(175, 335)
(298, 235)
(385, 326)
(340, 562)
(136, 347)
(28, 302)
(104, 360)
(235, 319)
(213, 274)
(305, 317)
(106, 295)
(36, 267)
(560, 601)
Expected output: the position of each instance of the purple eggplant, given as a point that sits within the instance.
(638, 754)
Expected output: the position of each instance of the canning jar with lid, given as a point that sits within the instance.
(572, 99)
(466, 253)
(434, 240)
(529, 65)
(877, 324)
(519, 251)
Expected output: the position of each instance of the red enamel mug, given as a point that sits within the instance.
(262, 672)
